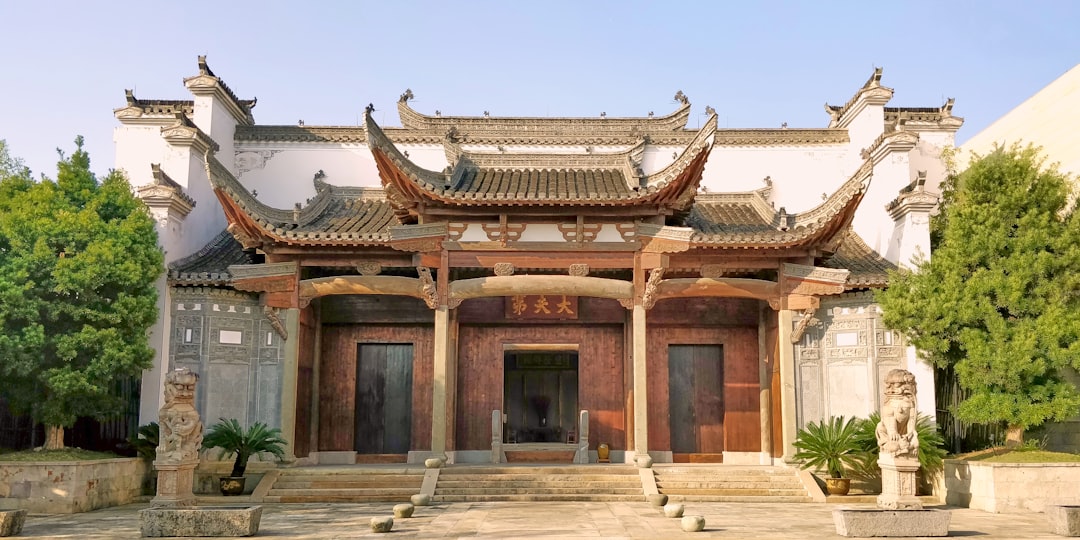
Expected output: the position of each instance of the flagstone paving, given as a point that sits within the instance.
(505, 520)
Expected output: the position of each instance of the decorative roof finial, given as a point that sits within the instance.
(204, 68)
(946, 109)
(650, 114)
(438, 113)
(370, 108)
(767, 180)
(406, 96)
(783, 125)
(875, 80)
(129, 95)
(709, 110)
(487, 114)
(682, 98)
(603, 114)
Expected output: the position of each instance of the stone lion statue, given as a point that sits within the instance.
(896, 435)
(179, 422)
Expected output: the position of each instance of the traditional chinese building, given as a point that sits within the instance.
(701, 292)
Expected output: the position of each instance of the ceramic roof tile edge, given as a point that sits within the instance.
(163, 186)
(182, 132)
(724, 136)
(550, 160)
(923, 117)
(412, 119)
(207, 82)
(152, 108)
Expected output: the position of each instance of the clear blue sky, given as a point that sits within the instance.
(760, 64)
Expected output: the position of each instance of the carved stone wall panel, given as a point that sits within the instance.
(267, 395)
(227, 392)
(849, 391)
(268, 354)
(808, 353)
(811, 398)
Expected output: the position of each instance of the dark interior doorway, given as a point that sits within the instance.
(696, 399)
(541, 395)
(384, 375)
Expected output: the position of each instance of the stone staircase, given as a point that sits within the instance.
(600, 483)
(729, 483)
(346, 484)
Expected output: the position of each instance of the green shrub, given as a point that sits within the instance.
(931, 445)
(832, 445)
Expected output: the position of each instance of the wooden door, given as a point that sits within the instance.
(384, 374)
(696, 398)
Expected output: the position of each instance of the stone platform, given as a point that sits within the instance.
(870, 522)
(11, 522)
(1064, 520)
(200, 521)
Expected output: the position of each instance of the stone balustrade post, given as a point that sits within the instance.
(496, 436)
(581, 455)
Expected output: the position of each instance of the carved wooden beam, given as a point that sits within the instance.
(648, 297)
(759, 289)
(276, 323)
(806, 321)
(517, 285)
(388, 285)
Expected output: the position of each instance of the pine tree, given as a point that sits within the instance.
(999, 301)
(78, 263)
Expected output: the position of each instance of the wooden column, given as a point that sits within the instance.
(641, 411)
(786, 359)
(440, 381)
(289, 373)
(765, 397)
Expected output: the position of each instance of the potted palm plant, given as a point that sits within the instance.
(831, 445)
(230, 438)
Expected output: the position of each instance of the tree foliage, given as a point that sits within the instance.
(78, 263)
(998, 300)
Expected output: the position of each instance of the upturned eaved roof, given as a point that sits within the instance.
(868, 268)
(581, 179)
(335, 216)
(208, 266)
(746, 220)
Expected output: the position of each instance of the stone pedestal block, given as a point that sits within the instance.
(1064, 520)
(403, 510)
(201, 521)
(693, 523)
(870, 522)
(898, 483)
(420, 499)
(174, 486)
(382, 524)
(673, 510)
(11, 522)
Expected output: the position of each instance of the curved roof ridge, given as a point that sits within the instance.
(224, 182)
(848, 194)
(412, 119)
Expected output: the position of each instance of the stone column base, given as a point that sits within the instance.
(174, 486)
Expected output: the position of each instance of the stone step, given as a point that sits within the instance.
(738, 498)
(546, 477)
(320, 498)
(360, 492)
(694, 484)
(535, 482)
(353, 471)
(343, 484)
(537, 498)
(737, 492)
(545, 470)
(579, 490)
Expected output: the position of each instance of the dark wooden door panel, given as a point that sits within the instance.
(696, 398)
(383, 398)
(681, 392)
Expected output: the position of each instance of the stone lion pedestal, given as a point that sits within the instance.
(174, 512)
(899, 511)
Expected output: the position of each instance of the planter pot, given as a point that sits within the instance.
(232, 485)
(603, 453)
(837, 486)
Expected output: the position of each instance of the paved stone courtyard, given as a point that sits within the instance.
(534, 520)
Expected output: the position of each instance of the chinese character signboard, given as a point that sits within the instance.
(541, 306)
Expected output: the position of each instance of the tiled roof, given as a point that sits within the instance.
(552, 179)
(868, 268)
(335, 216)
(746, 220)
(208, 266)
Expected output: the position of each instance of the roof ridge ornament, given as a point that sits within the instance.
(406, 96)
(682, 98)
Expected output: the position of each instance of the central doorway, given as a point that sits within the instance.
(540, 395)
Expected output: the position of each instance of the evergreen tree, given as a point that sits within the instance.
(78, 263)
(998, 301)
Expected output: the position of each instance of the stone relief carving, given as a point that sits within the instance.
(896, 435)
(251, 160)
(181, 427)
(276, 323)
(579, 270)
(712, 271)
(369, 268)
(648, 298)
(428, 291)
(504, 269)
